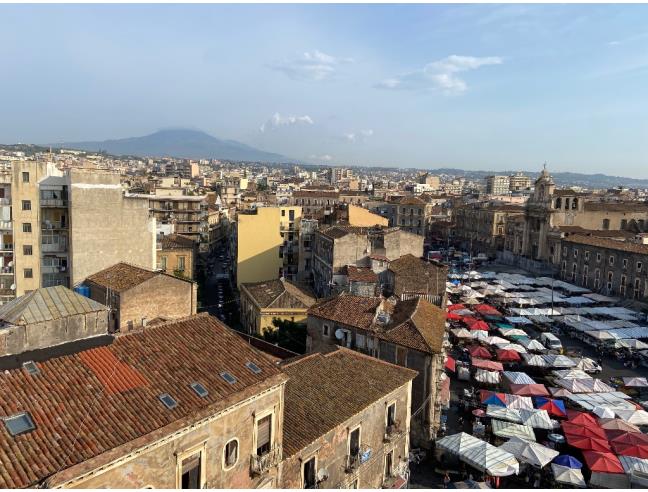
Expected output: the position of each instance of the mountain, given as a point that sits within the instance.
(180, 143)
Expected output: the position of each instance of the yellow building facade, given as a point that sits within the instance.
(258, 246)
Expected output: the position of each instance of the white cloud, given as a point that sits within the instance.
(358, 136)
(311, 65)
(277, 120)
(325, 157)
(440, 75)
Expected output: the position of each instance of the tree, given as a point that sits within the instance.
(288, 335)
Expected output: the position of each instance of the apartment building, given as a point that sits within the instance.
(68, 225)
(337, 246)
(408, 333)
(177, 255)
(610, 266)
(519, 182)
(498, 185)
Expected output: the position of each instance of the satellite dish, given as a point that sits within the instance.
(339, 334)
(322, 474)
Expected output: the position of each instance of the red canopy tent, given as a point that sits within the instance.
(552, 406)
(450, 364)
(636, 450)
(486, 309)
(485, 395)
(602, 462)
(480, 352)
(587, 430)
(587, 443)
(506, 355)
(489, 365)
(637, 438)
(478, 325)
(581, 418)
(529, 390)
(456, 307)
(453, 316)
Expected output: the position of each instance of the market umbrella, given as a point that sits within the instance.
(635, 382)
(529, 452)
(569, 476)
(504, 355)
(479, 352)
(457, 443)
(568, 461)
(631, 438)
(637, 417)
(587, 443)
(617, 426)
(552, 406)
(603, 412)
(489, 365)
(498, 399)
(468, 484)
(453, 316)
(636, 450)
(456, 307)
(487, 377)
(529, 390)
(511, 429)
(581, 418)
(603, 462)
(586, 430)
(461, 333)
(479, 325)
(478, 412)
(560, 392)
(451, 364)
(490, 459)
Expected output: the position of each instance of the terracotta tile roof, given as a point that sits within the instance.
(410, 200)
(338, 231)
(88, 403)
(325, 390)
(315, 194)
(414, 323)
(349, 310)
(608, 243)
(280, 294)
(47, 304)
(177, 241)
(415, 275)
(356, 274)
(122, 276)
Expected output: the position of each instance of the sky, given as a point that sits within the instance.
(480, 87)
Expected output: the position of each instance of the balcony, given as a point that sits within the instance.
(51, 225)
(5, 225)
(54, 248)
(353, 461)
(7, 270)
(53, 203)
(393, 432)
(6, 248)
(263, 463)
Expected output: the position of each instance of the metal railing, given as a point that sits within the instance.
(262, 463)
(53, 202)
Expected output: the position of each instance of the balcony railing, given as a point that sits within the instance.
(54, 248)
(5, 201)
(393, 432)
(5, 224)
(263, 463)
(53, 202)
(6, 270)
(54, 225)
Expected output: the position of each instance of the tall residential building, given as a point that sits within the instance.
(67, 226)
(519, 182)
(431, 180)
(497, 185)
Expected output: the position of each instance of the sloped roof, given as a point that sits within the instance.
(122, 276)
(349, 310)
(47, 304)
(325, 390)
(177, 241)
(608, 243)
(104, 398)
(279, 294)
(357, 274)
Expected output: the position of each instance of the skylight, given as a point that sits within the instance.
(200, 390)
(19, 424)
(228, 377)
(253, 367)
(168, 401)
(31, 367)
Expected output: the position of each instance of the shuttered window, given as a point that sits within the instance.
(263, 435)
(191, 472)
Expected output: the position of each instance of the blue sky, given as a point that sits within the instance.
(470, 86)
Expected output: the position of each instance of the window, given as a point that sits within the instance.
(639, 266)
(191, 472)
(389, 459)
(200, 390)
(326, 330)
(625, 263)
(391, 414)
(230, 453)
(162, 262)
(28, 273)
(360, 341)
(624, 224)
(291, 215)
(611, 260)
(264, 435)
(31, 367)
(27, 249)
(354, 442)
(26, 205)
(253, 367)
(228, 377)
(606, 224)
(309, 473)
(167, 400)
(598, 257)
(283, 213)
(575, 253)
(25, 177)
(586, 255)
(19, 424)
(181, 263)
(26, 227)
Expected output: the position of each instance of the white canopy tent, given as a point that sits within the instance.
(510, 429)
(569, 476)
(637, 417)
(529, 452)
(487, 377)
(480, 454)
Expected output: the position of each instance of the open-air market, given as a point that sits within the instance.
(548, 386)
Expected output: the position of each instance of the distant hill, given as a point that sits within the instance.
(188, 144)
(561, 178)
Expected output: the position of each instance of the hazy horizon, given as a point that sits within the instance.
(474, 87)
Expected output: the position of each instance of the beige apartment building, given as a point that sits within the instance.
(67, 226)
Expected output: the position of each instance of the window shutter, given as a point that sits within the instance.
(263, 431)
